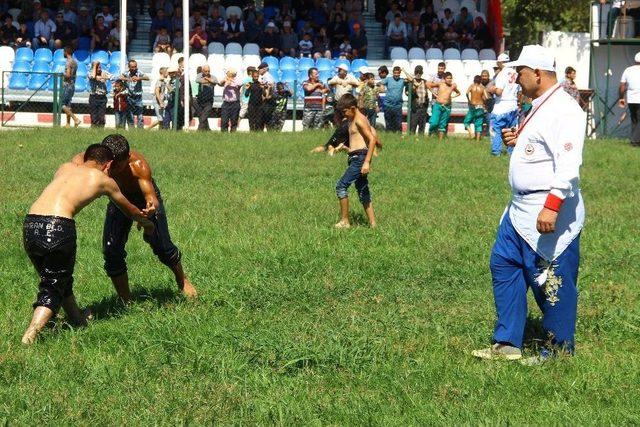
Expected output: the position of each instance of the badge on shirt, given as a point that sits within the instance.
(528, 149)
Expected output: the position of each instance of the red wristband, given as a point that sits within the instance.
(553, 202)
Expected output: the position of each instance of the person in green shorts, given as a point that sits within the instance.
(441, 111)
(477, 95)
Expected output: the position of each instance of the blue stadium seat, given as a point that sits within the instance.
(357, 63)
(81, 84)
(100, 55)
(288, 63)
(82, 70)
(114, 69)
(43, 55)
(108, 86)
(82, 56)
(273, 63)
(115, 57)
(342, 61)
(39, 81)
(24, 54)
(18, 81)
(58, 56)
(324, 76)
(324, 64)
(23, 66)
(305, 63)
(57, 68)
(41, 67)
(84, 43)
(289, 75)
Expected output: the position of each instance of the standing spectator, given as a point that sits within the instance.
(368, 98)
(505, 109)
(160, 95)
(172, 86)
(244, 100)
(98, 94)
(394, 88)
(288, 40)
(383, 72)
(614, 12)
(396, 33)
(486, 81)
(230, 110)
(270, 43)
(358, 42)
(569, 84)
(306, 46)
(198, 40)
(234, 29)
(100, 35)
(43, 31)
(281, 98)
(314, 100)
(268, 83)
(343, 82)
(630, 86)
(69, 86)
(65, 34)
(207, 84)
(265, 76)
(120, 104)
(84, 22)
(255, 91)
(133, 79)
(8, 32)
(419, 101)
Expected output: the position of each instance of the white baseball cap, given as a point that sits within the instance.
(536, 57)
(637, 57)
(363, 70)
(503, 57)
(343, 67)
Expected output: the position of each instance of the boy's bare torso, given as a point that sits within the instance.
(356, 140)
(444, 93)
(477, 95)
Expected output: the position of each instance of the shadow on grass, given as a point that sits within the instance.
(360, 219)
(535, 336)
(113, 307)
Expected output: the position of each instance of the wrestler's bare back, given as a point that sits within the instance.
(477, 95)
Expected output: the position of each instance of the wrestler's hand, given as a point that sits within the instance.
(509, 137)
(546, 221)
(318, 149)
(365, 168)
(150, 209)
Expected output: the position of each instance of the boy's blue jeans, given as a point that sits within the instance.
(351, 175)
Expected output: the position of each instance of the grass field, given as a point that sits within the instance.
(298, 323)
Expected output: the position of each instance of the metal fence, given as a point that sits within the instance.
(35, 95)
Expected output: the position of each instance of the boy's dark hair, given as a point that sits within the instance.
(119, 146)
(346, 101)
(68, 50)
(99, 153)
(442, 64)
(397, 15)
(311, 70)
(418, 70)
(569, 70)
(383, 69)
(396, 68)
(447, 74)
(477, 79)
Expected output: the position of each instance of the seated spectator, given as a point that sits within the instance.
(396, 33)
(434, 35)
(358, 42)
(254, 29)
(345, 49)
(36, 13)
(100, 35)
(198, 40)
(338, 9)
(178, 41)
(411, 15)
(321, 42)
(106, 15)
(306, 27)
(114, 36)
(428, 16)
(354, 20)
(482, 37)
(65, 34)
(270, 43)
(451, 38)
(162, 42)
(318, 15)
(222, 12)
(234, 29)
(197, 18)
(165, 5)
(157, 23)
(288, 40)
(215, 25)
(23, 36)
(337, 31)
(391, 15)
(464, 21)
(176, 20)
(8, 32)
(43, 31)
(306, 46)
(68, 14)
(84, 22)
(353, 6)
(448, 19)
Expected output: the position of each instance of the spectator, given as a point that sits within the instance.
(394, 87)
(419, 101)
(8, 32)
(358, 42)
(160, 95)
(100, 35)
(428, 16)
(383, 72)
(270, 43)
(230, 110)
(98, 94)
(288, 40)
(36, 12)
(411, 15)
(207, 84)
(353, 6)
(268, 83)
(172, 89)
(318, 15)
(23, 37)
(120, 104)
(215, 25)
(133, 79)
(84, 22)
(106, 15)
(159, 22)
(198, 40)
(244, 100)
(176, 20)
(178, 41)
(163, 5)
(448, 19)
(368, 98)
(338, 9)
(197, 18)
(306, 46)
(354, 20)
(222, 12)
(43, 31)
(280, 98)
(345, 48)
(69, 86)
(391, 15)
(343, 82)
(464, 21)
(338, 31)
(254, 29)
(482, 37)
(306, 28)
(451, 38)
(255, 91)
(321, 42)
(114, 37)
(569, 84)
(630, 87)
(68, 14)
(314, 100)
(65, 34)
(434, 36)
(234, 29)
(396, 33)
(163, 42)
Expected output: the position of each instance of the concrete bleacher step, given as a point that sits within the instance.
(375, 37)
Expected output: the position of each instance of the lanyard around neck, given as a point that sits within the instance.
(534, 111)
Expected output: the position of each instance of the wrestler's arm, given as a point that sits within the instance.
(142, 172)
(111, 189)
(365, 130)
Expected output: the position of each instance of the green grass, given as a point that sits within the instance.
(298, 323)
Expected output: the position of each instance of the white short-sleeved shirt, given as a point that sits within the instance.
(546, 160)
(631, 76)
(508, 101)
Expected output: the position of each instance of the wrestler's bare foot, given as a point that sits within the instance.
(342, 224)
(41, 315)
(187, 289)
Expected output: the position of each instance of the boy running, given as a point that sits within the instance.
(477, 96)
(442, 107)
(362, 144)
(49, 232)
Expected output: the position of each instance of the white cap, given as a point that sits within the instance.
(503, 57)
(536, 57)
(173, 69)
(271, 25)
(637, 57)
(343, 67)
(363, 70)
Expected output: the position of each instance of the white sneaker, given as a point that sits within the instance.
(498, 351)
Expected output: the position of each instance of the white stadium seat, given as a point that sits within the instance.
(415, 62)
(416, 53)
(402, 63)
(216, 47)
(196, 60)
(488, 65)
(175, 58)
(434, 53)
(233, 49)
(456, 68)
(487, 55)
(472, 68)
(432, 67)
(251, 49)
(398, 53)
(216, 63)
(451, 54)
(251, 60)
(160, 59)
(235, 62)
(469, 54)
(7, 54)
